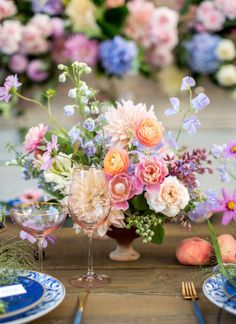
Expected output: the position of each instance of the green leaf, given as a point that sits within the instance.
(159, 234)
(217, 251)
(139, 202)
(116, 16)
(98, 2)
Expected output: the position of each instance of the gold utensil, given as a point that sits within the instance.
(189, 292)
(82, 301)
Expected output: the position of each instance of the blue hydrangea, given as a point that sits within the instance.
(50, 7)
(117, 55)
(201, 53)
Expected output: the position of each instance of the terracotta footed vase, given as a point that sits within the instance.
(124, 250)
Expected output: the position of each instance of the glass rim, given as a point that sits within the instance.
(18, 206)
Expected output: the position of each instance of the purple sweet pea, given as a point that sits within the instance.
(10, 83)
(175, 103)
(230, 150)
(187, 82)
(171, 141)
(191, 125)
(200, 102)
(223, 173)
(218, 151)
(49, 155)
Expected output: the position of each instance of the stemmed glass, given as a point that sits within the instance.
(39, 219)
(89, 206)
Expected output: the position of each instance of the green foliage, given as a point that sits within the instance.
(112, 21)
(158, 234)
(98, 2)
(187, 4)
(139, 202)
(2, 307)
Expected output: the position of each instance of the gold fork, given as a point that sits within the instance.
(189, 292)
(82, 300)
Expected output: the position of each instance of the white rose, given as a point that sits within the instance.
(226, 76)
(171, 197)
(225, 50)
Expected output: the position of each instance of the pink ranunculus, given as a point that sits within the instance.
(43, 23)
(10, 36)
(18, 63)
(228, 7)
(79, 47)
(30, 195)
(37, 70)
(32, 41)
(58, 28)
(151, 171)
(123, 187)
(138, 23)
(211, 18)
(7, 9)
(114, 3)
(34, 137)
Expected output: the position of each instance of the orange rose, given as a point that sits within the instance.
(116, 161)
(149, 132)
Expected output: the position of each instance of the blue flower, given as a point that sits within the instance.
(50, 7)
(117, 55)
(223, 173)
(191, 125)
(89, 148)
(89, 124)
(201, 53)
(187, 82)
(171, 141)
(69, 110)
(200, 102)
(175, 103)
(74, 135)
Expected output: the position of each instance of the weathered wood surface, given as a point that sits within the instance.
(145, 291)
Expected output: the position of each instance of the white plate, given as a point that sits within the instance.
(213, 289)
(54, 295)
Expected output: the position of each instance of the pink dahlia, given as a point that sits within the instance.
(122, 188)
(80, 48)
(121, 121)
(34, 137)
(151, 171)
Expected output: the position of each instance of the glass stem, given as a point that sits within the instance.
(90, 254)
(40, 252)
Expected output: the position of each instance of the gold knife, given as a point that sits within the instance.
(82, 300)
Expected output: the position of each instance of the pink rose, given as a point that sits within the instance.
(33, 41)
(151, 172)
(210, 17)
(10, 36)
(228, 7)
(18, 63)
(123, 187)
(7, 9)
(160, 56)
(34, 137)
(43, 23)
(165, 18)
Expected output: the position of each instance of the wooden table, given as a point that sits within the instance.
(145, 291)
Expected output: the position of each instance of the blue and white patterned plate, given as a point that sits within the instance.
(213, 289)
(54, 295)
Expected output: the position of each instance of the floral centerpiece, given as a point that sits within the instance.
(207, 40)
(114, 37)
(151, 179)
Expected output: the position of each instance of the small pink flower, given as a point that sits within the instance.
(18, 63)
(114, 3)
(10, 36)
(37, 70)
(30, 195)
(123, 187)
(160, 56)
(228, 7)
(34, 137)
(7, 9)
(43, 23)
(151, 171)
(79, 47)
(211, 18)
(58, 28)
(50, 154)
(32, 40)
